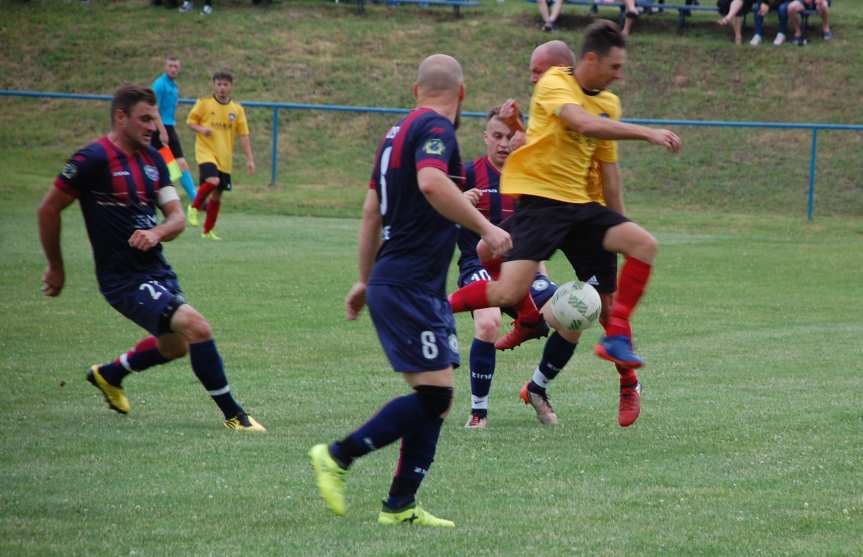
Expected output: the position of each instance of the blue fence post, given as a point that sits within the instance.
(811, 198)
(275, 143)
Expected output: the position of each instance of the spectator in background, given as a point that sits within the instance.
(549, 18)
(631, 16)
(188, 6)
(795, 7)
(732, 12)
(765, 6)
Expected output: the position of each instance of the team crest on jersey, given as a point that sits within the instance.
(540, 285)
(232, 116)
(69, 170)
(152, 172)
(434, 147)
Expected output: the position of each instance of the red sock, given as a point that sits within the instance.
(526, 311)
(493, 267)
(633, 281)
(627, 376)
(470, 297)
(212, 214)
(204, 190)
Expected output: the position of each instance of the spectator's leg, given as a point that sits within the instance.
(555, 10)
(543, 11)
(823, 8)
(737, 25)
(794, 9)
(630, 16)
(782, 12)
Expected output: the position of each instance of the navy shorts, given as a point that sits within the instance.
(173, 141)
(210, 170)
(470, 271)
(541, 289)
(148, 301)
(541, 226)
(416, 329)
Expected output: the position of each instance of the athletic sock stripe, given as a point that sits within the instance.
(124, 361)
(224, 390)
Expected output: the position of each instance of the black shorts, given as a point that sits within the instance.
(173, 141)
(210, 170)
(541, 226)
(725, 5)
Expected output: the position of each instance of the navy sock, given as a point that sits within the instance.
(417, 454)
(482, 363)
(207, 365)
(143, 355)
(393, 421)
(557, 352)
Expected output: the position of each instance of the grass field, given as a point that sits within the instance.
(749, 441)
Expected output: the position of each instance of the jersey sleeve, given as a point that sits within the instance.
(469, 176)
(196, 114)
(241, 125)
(606, 149)
(77, 174)
(436, 145)
(553, 92)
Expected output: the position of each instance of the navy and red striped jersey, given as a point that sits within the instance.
(117, 192)
(496, 207)
(418, 242)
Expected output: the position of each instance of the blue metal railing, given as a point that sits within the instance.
(276, 107)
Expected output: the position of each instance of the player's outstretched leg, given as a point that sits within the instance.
(114, 395)
(330, 478)
(616, 346)
(108, 378)
(556, 354)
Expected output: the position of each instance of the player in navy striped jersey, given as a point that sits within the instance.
(482, 180)
(406, 241)
(119, 180)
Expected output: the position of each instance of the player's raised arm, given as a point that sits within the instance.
(578, 119)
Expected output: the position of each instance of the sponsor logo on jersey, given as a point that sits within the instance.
(70, 170)
(121, 173)
(152, 172)
(434, 147)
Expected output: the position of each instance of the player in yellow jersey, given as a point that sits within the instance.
(217, 121)
(569, 128)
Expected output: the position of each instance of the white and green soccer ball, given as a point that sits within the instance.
(576, 305)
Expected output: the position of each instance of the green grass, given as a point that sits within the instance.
(748, 442)
(318, 52)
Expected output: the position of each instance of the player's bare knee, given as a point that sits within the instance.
(570, 336)
(486, 328)
(436, 400)
(191, 324)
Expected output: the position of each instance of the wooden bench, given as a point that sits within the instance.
(456, 5)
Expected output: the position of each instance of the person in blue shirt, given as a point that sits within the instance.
(167, 98)
(406, 242)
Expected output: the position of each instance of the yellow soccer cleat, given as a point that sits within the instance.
(330, 478)
(244, 422)
(416, 516)
(114, 396)
(192, 216)
(211, 235)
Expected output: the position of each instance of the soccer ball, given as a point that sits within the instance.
(576, 305)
